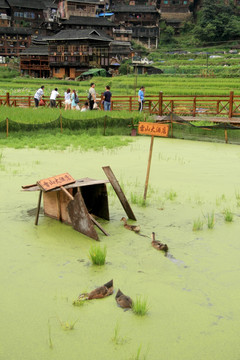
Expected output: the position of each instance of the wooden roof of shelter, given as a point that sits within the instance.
(78, 183)
(4, 5)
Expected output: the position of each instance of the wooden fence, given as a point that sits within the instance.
(161, 104)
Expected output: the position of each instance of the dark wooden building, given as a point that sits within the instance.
(5, 19)
(27, 13)
(67, 8)
(72, 52)
(175, 12)
(34, 61)
(85, 22)
(13, 41)
(141, 19)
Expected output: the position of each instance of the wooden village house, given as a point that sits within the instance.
(13, 41)
(67, 8)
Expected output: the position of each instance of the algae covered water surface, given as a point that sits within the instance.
(193, 293)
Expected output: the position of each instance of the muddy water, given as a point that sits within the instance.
(193, 294)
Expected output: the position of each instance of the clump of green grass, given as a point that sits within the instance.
(211, 220)
(228, 215)
(140, 306)
(220, 199)
(138, 354)
(138, 199)
(170, 195)
(98, 255)
(237, 195)
(117, 339)
(50, 343)
(79, 302)
(67, 325)
(197, 225)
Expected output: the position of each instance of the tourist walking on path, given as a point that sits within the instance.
(67, 99)
(141, 98)
(92, 96)
(38, 96)
(74, 99)
(107, 99)
(53, 96)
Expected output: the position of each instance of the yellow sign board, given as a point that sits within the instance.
(154, 129)
(55, 182)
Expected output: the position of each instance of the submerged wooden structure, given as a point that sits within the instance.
(78, 202)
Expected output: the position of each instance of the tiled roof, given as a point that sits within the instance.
(73, 34)
(29, 4)
(17, 31)
(36, 50)
(87, 20)
(4, 5)
(134, 9)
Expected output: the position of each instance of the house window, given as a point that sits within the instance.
(165, 2)
(57, 71)
(185, 2)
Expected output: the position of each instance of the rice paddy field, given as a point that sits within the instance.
(186, 301)
(125, 85)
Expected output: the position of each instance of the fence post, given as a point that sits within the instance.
(172, 106)
(105, 123)
(7, 99)
(101, 107)
(7, 126)
(218, 103)
(130, 103)
(61, 122)
(231, 104)
(29, 101)
(160, 104)
(194, 106)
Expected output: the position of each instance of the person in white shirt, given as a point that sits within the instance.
(54, 95)
(38, 95)
(92, 96)
(67, 99)
(85, 107)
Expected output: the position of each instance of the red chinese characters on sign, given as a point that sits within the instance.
(154, 129)
(55, 182)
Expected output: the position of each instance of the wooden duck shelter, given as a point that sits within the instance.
(78, 202)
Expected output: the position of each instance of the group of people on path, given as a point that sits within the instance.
(71, 99)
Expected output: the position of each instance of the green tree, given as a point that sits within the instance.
(217, 21)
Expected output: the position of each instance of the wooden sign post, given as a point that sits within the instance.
(153, 129)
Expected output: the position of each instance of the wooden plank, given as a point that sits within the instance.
(148, 168)
(98, 225)
(80, 218)
(117, 188)
(38, 207)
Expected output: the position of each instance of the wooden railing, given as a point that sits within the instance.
(193, 105)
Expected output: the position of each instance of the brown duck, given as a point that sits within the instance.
(158, 245)
(135, 228)
(100, 292)
(122, 300)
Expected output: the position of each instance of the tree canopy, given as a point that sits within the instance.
(217, 21)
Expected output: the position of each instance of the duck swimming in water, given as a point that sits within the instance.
(99, 293)
(158, 245)
(135, 228)
(123, 301)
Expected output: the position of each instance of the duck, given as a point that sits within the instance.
(135, 228)
(123, 301)
(158, 245)
(100, 292)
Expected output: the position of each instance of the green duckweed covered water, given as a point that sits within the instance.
(193, 296)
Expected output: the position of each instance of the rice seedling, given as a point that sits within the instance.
(220, 200)
(138, 356)
(98, 255)
(67, 325)
(228, 215)
(170, 195)
(197, 225)
(138, 200)
(50, 343)
(117, 339)
(211, 220)
(140, 306)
